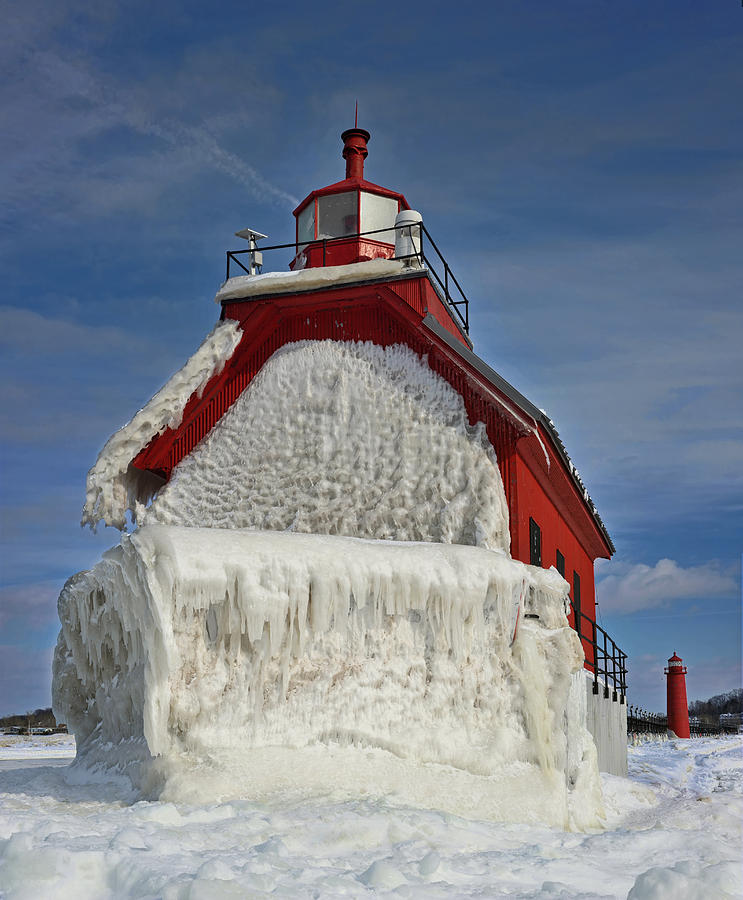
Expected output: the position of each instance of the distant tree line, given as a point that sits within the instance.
(38, 718)
(712, 709)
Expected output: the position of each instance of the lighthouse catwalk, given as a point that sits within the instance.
(320, 593)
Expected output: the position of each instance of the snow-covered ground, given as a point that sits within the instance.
(673, 830)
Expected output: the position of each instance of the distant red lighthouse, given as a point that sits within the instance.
(677, 707)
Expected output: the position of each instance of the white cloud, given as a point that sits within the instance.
(646, 587)
(706, 677)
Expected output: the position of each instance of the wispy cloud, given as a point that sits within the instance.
(31, 332)
(204, 145)
(57, 104)
(641, 586)
(35, 604)
(63, 377)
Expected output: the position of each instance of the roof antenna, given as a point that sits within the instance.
(356, 116)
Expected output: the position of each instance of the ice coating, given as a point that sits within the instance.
(310, 663)
(113, 486)
(321, 600)
(344, 438)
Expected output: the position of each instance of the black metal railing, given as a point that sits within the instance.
(609, 662)
(434, 262)
(709, 729)
(640, 721)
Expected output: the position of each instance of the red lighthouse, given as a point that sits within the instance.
(677, 707)
(364, 271)
(365, 268)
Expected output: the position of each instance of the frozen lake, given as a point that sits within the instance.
(673, 829)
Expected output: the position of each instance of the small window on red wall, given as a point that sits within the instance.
(535, 543)
(576, 594)
(560, 563)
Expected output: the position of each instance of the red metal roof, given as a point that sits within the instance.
(352, 184)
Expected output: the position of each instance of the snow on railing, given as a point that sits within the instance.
(434, 262)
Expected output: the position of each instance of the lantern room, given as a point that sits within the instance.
(350, 221)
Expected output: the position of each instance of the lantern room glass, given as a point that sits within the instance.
(337, 215)
(378, 212)
(306, 224)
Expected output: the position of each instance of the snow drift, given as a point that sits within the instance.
(674, 829)
(246, 652)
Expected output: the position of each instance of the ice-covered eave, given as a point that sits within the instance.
(112, 486)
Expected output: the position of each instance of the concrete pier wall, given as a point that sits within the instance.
(606, 719)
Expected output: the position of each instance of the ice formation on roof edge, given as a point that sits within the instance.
(344, 438)
(113, 486)
(211, 647)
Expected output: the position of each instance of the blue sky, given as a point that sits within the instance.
(578, 163)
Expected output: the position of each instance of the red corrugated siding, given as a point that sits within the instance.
(438, 310)
(367, 319)
(411, 291)
(556, 535)
(351, 323)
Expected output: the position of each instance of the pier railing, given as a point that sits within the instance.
(609, 662)
(640, 721)
(428, 255)
(707, 729)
